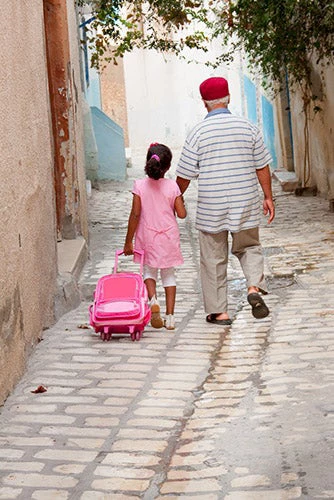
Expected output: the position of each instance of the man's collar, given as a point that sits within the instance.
(218, 111)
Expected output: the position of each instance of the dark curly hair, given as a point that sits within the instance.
(158, 160)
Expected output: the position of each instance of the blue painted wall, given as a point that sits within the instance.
(104, 142)
(93, 93)
(269, 128)
(250, 94)
(110, 145)
(91, 76)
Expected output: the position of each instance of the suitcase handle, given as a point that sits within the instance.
(138, 252)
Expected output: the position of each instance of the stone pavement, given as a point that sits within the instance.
(205, 412)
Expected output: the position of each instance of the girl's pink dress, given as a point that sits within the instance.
(158, 232)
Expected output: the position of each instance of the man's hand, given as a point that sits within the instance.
(182, 183)
(269, 208)
(264, 178)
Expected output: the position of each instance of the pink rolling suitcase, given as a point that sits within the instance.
(120, 303)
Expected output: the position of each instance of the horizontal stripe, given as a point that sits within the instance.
(212, 211)
(227, 183)
(227, 227)
(224, 152)
(229, 164)
(222, 220)
(211, 193)
(225, 137)
(225, 215)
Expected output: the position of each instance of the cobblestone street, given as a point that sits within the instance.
(205, 412)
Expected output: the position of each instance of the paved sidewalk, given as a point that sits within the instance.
(205, 412)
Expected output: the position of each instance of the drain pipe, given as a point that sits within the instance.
(289, 114)
(88, 21)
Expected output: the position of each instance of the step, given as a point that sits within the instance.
(72, 256)
(288, 180)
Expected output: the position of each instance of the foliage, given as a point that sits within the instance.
(279, 36)
(283, 36)
(120, 26)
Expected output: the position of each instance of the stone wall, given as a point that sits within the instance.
(114, 97)
(28, 229)
(321, 135)
(77, 149)
(319, 171)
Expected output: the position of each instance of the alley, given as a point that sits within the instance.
(205, 412)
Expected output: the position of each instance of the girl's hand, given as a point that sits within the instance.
(179, 207)
(128, 249)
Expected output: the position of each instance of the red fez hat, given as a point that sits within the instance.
(214, 88)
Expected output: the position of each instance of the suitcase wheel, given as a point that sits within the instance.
(136, 336)
(105, 336)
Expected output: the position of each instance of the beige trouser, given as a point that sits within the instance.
(214, 256)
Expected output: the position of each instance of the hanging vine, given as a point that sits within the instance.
(280, 37)
(293, 37)
(120, 26)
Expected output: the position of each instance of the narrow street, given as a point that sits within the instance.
(205, 412)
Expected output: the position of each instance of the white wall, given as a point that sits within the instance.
(164, 102)
(321, 136)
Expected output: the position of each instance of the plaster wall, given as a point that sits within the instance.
(114, 96)
(163, 100)
(283, 137)
(27, 230)
(90, 75)
(76, 125)
(321, 137)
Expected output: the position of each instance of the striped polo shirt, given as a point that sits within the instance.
(223, 152)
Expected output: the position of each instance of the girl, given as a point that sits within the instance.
(152, 221)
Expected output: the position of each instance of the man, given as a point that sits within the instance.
(228, 157)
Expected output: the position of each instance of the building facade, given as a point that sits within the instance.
(42, 189)
(305, 140)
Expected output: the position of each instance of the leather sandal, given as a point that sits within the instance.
(212, 318)
(259, 308)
